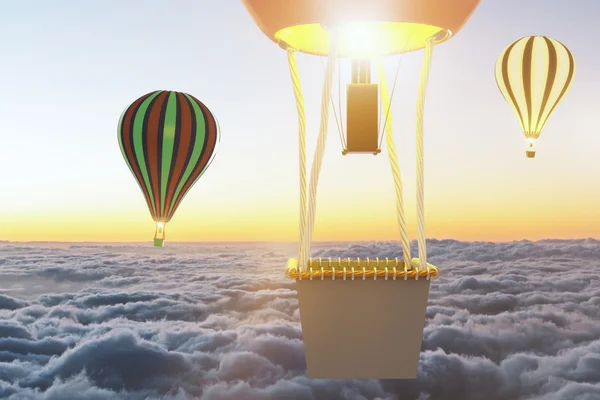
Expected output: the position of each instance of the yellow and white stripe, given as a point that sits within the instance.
(533, 74)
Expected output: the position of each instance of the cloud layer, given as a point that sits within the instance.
(517, 320)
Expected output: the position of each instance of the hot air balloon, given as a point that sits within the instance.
(361, 318)
(168, 140)
(533, 74)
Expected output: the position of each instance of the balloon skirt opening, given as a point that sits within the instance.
(159, 242)
(362, 329)
(362, 39)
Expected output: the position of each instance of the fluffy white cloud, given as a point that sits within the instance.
(511, 320)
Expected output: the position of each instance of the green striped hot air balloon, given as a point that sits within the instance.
(168, 140)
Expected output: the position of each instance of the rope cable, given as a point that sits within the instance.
(319, 151)
(339, 68)
(420, 152)
(307, 219)
(393, 89)
(393, 157)
(293, 66)
(339, 123)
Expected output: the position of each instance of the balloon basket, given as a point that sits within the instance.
(159, 242)
(369, 328)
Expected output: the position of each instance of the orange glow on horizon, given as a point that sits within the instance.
(468, 222)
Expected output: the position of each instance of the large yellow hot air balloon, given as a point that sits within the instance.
(533, 75)
(370, 327)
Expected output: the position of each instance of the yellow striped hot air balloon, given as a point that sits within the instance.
(533, 75)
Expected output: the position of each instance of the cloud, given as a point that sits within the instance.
(10, 303)
(518, 320)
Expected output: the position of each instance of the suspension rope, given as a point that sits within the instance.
(319, 151)
(339, 74)
(301, 145)
(307, 220)
(389, 103)
(420, 159)
(393, 90)
(338, 122)
(393, 157)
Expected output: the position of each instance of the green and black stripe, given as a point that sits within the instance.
(168, 140)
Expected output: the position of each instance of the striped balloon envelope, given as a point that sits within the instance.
(168, 140)
(533, 74)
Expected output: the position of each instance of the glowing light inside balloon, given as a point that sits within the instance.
(361, 39)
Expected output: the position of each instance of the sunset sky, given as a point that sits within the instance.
(69, 68)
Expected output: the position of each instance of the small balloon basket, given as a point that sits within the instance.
(362, 319)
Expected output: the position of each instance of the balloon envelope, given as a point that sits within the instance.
(383, 26)
(533, 74)
(168, 140)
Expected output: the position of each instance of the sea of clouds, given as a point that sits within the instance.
(505, 321)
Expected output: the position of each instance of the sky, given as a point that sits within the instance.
(69, 68)
(516, 320)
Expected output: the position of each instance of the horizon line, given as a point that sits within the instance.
(2, 241)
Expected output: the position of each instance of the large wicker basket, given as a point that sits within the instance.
(366, 327)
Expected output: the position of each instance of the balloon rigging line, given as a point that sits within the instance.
(307, 221)
(425, 69)
(393, 90)
(293, 66)
(395, 166)
(339, 123)
(339, 74)
(319, 151)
